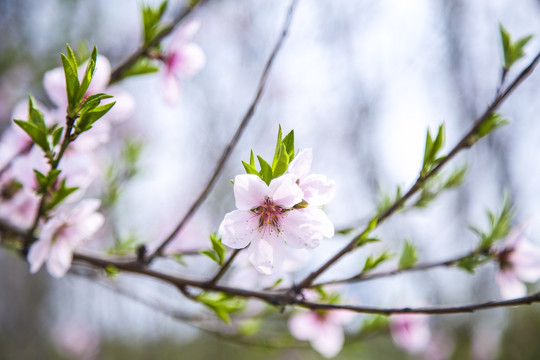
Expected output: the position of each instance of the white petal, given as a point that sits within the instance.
(39, 251)
(60, 258)
(124, 107)
(306, 227)
(249, 191)
(284, 191)
(266, 254)
(329, 340)
(301, 163)
(238, 229)
(317, 189)
(303, 325)
(509, 285)
(410, 331)
(192, 61)
(170, 87)
(54, 83)
(525, 260)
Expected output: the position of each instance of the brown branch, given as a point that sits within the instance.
(142, 52)
(382, 274)
(461, 145)
(236, 137)
(224, 268)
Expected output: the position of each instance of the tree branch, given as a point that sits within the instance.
(236, 137)
(462, 144)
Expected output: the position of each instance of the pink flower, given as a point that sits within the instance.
(519, 262)
(323, 329)
(266, 219)
(21, 208)
(182, 59)
(410, 332)
(61, 234)
(76, 340)
(317, 189)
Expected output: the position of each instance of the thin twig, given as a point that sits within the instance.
(236, 137)
(382, 274)
(224, 268)
(462, 144)
(142, 52)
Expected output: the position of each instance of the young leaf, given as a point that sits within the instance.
(88, 75)
(36, 134)
(212, 255)
(72, 84)
(409, 256)
(221, 304)
(88, 118)
(282, 162)
(512, 52)
(373, 261)
(218, 247)
(141, 67)
(266, 170)
(288, 141)
(250, 169)
(252, 160)
(278, 147)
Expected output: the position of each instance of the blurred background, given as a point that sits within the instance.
(359, 82)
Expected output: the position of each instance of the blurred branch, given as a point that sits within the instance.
(236, 137)
(461, 145)
(142, 52)
(382, 274)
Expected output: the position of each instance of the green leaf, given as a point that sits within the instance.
(512, 51)
(57, 136)
(88, 118)
(470, 263)
(409, 256)
(221, 304)
(124, 246)
(41, 179)
(431, 150)
(218, 247)
(211, 254)
(252, 160)
(72, 85)
(456, 178)
(93, 101)
(140, 67)
(278, 147)
(499, 225)
(490, 124)
(151, 21)
(112, 271)
(373, 261)
(38, 136)
(250, 169)
(266, 170)
(288, 141)
(87, 77)
(60, 195)
(281, 163)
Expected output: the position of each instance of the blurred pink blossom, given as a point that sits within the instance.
(266, 219)
(182, 59)
(323, 329)
(61, 234)
(76, 340)
(410, 332)
(519, 262)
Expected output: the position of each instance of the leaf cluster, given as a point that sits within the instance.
(409, 256)
(431, 151)
(512, 51)
(490, 124)
(217, 253)
(152, 25)
(373, 261)
(499, 225)
(283, 155)
(435, 185)
(221, 304)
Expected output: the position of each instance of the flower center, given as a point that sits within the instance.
(269, 214)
